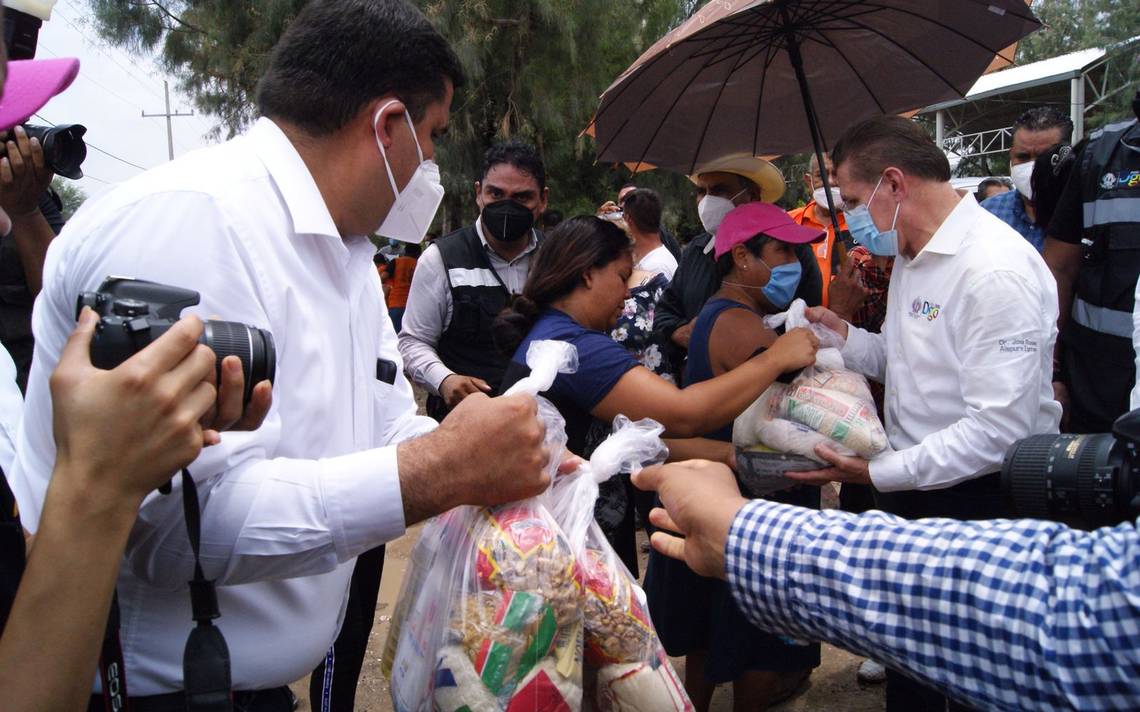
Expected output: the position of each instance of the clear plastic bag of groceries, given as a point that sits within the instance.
(626, 668)
(490, 616)
(826, 404)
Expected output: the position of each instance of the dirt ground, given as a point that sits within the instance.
(832, 687)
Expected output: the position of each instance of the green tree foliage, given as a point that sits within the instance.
(70, 194)
(535, 71)
(1072, 25)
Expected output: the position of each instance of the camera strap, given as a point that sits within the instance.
(206, 661)
(111, 671)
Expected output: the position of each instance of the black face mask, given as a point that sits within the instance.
(507, 220)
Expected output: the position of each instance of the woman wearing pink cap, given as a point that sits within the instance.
(575, 292)
(696, 616)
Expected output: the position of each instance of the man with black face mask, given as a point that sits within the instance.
(465, 279)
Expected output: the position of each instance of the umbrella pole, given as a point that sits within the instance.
(809, 109)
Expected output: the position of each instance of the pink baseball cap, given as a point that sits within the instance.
(752, 219)
(31, 82)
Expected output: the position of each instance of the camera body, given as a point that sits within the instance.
(1083, 480)
(133, 313)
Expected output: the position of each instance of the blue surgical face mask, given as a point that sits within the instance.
(862, 227)
(782, 284)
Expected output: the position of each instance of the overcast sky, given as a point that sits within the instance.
(112, 90)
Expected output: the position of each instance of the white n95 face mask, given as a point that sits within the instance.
(712, 208)
(1022, 175)
(819, 195)
(415, 207)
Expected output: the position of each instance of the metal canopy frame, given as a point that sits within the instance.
(981, 124)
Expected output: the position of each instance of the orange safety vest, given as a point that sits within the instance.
(824, 250)
(402, 270)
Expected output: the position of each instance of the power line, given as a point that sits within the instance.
(99, 48)
(105, 153)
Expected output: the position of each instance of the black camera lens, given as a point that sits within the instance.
(1081, 479)
(64, 149)
(253, 346)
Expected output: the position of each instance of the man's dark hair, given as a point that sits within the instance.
(338, 55)
(1043, 118)
(379, 259)
(643, 210)
(521, 155)
(551, 219)
(870, 147)
(556, 270)
(980, 193)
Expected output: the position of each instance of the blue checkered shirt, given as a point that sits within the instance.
(1009, 209)
(1009, 615)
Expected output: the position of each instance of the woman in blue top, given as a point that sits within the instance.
(575, 292)
(695, 616)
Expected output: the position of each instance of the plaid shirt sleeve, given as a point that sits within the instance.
(1018, 614)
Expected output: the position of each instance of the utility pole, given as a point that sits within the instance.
(168, 116)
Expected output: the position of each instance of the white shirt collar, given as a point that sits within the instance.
(302, 197)
(950, 234)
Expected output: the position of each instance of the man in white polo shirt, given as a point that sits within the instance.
(271, 228)
(966, 349)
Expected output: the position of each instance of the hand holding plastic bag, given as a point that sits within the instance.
(490, 618)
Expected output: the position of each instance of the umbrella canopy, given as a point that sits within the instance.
(736, 76)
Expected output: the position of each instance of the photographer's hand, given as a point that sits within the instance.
(119, 434)
(129, 429)
(24, 177)
(229, 413)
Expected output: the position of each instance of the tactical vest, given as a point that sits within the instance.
(478, 295)
(1110, 196)
(1099, 355)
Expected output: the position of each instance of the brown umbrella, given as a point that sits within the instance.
(740, 76)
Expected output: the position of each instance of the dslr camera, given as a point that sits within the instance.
(135, 312)
(1087, 481)
(64, 149)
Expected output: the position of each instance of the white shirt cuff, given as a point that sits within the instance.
(889, 473)
(434, 376)
(364, 501)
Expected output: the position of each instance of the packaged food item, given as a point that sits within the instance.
(641, 687)
(826, 404)
(619, 635)
(509, 605)
(839, 416)
(490, 617)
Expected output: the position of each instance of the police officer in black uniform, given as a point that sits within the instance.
(1093, 247)
(466, 278)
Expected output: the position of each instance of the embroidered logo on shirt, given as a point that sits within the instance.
(920, 309)
(1024, 346)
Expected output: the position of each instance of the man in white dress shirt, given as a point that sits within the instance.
(271, 228)
(966, 349)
